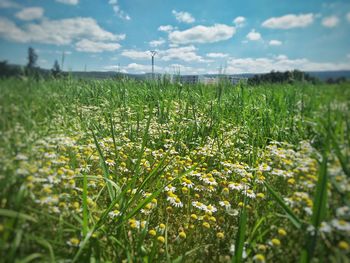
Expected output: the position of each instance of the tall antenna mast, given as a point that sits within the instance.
(153, 53)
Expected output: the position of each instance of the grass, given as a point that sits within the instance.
(106, 171)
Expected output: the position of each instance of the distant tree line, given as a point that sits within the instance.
(31, 69)
(282, 77)
(335, 80)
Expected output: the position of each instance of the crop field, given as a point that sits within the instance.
(124, 171)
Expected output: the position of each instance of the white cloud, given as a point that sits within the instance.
(330, 21)
(86, 45)
(217, 55)
(280, 63)
(281, 57)
(156, 43)
(183, 17)
(146, 68)
(348, 17)
(167, 28)
(187, 53)
(274, 42)
(118, 11)
(8, 4)
(239, 21)
(253, 35)
(68, 2)
(202, 34)
(10, 31)
(289, 21)
(58, 32)
(134, 54)
(240, 65)
(30, 13)
(141, 68)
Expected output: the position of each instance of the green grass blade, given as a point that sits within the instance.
(14, 214)
(292, 217)
(105, 168)
(240, 237)
(30, 258)
(85, 206)
(318, 212)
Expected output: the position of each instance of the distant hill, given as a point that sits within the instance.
(322, 75)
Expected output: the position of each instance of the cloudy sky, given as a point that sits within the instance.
(191, 37)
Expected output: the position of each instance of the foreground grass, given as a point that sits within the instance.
(111, 171)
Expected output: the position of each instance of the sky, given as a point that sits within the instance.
(190, 37)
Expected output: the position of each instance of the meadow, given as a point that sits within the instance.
(124, 171)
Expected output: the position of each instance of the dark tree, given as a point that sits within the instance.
(32, 58)
(56, 70)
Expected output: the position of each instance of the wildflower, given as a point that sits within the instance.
(76, 205)
(275, 242)
(282, 232)
(220, 235)
(171, 197)
(184, 190)
(143, 224)
(114, 213)
(232, 212)
(210, 209)
(182, 235)
(206, 224)
(291, 181)
(225, 191)
(152, 232)
(134, 223)
(110, 162)
(235, 186)
(210, 181)
(308, 210)
(259, 258)
(148, 206)
(341, 225)
(343, 211)
(194, 216)
(187, 183)
(177, 202)
(161, 239)
(198, 205)
(225, 204)
(212, 218)
(21, 157)
(325, 228)
(343, 245)
(260, 195)
(262, 247)
(170, 188)
(74, 242)
(250, 194)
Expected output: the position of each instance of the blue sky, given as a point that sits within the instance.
(191, 37)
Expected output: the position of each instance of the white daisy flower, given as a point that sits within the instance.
(341, 225)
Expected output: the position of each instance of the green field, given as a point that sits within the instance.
(108, 171)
